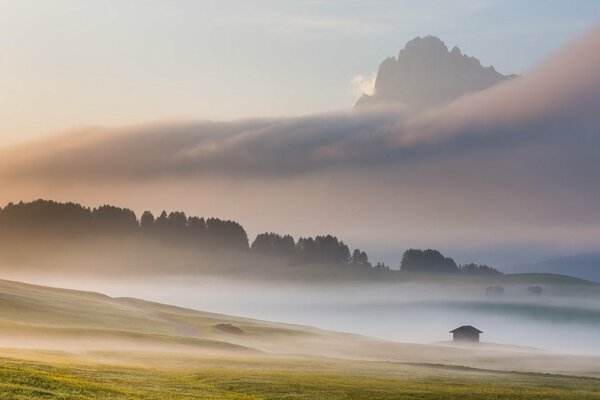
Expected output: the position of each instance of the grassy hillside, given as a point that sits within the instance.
(36, 317)
(65, 344)
(56, 318)
(584, 266)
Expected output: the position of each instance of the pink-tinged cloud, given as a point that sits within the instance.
(563, 93)
(565, 88)
(520, 157)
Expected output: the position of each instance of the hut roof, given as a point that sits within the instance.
(466, 328)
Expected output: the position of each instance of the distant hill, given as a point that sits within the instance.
(584, 266)
(426, 74)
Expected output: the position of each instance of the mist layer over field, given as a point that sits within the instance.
(566, 318)
(385, 304)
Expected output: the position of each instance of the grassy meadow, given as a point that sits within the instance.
(67, 344)
(61, 376)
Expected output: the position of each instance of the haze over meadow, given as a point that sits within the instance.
(308, 199)
(443, 152)
(315, 199)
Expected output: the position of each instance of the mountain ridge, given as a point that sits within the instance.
(425, 74)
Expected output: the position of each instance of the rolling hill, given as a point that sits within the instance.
(584, 266)
(79, 345)
(49, 319)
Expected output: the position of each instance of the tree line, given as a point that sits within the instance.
(46, 218)
(432, 261)
(326, 249)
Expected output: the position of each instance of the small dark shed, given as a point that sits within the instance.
(229, 328)
(465, 333)
(494, 291)
(535, 290)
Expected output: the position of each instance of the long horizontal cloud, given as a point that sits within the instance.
(240, 148)
(546, 120)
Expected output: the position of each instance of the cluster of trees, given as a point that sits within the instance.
(380, 266)
(43, 217)
(208, 233)
(272, 244)
(432, 261)
(325, 249)
(52, 219)
(415, 260)
(478, 269)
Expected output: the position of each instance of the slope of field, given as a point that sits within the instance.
(75, 345)
(41, 318)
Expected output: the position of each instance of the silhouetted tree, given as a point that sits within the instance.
(45, 217)
(111, 219)
(415, 260)
(381, 267)
(147, 222)
(475, 269)
(275, 245)
(306, 251)
(332, 250)
(360, 258)
(227, 234)
(177, 224)
(197, 230)
(321, 250)
(161, 224)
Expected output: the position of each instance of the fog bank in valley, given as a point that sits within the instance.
(564, 319)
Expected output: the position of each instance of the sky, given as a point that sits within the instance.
(68, 63)
(243, 112)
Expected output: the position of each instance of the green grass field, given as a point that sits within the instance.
(266, 378)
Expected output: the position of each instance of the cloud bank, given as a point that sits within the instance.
(557, 102)
(247, 148)
(524, 154)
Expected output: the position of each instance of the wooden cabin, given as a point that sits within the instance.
(535, 290)
(494, 290)
(465, 333)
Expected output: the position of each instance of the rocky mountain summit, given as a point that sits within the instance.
(427, 74)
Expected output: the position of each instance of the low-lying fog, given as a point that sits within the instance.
(421, 313)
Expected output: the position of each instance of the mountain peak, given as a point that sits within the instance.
(426, 74)
(430, 43)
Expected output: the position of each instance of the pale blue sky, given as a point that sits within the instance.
(65, 63)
